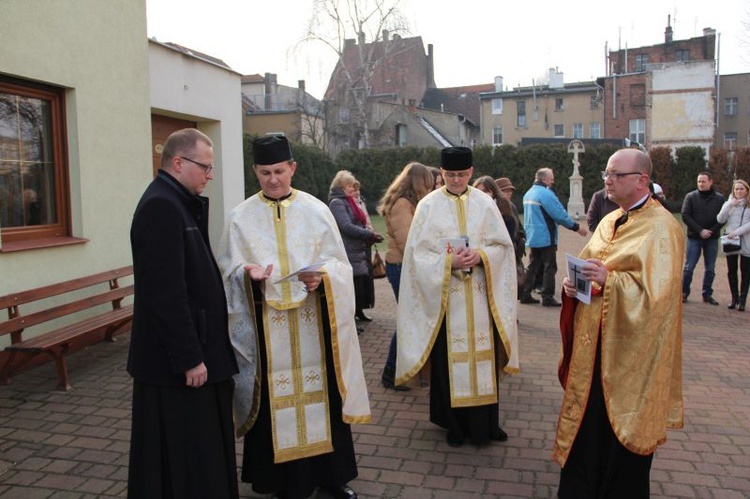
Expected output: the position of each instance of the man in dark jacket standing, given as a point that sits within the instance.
(699, 210)
(181, 359)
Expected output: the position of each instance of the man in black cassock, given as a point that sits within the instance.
(181, 359)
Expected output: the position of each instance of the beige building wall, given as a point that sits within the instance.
(682, 104)
(183, 86)
(735, 86)
(542, 114)
(97, 51)
(264, 123)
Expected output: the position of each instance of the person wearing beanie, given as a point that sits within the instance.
(290, 295)
(457, 304)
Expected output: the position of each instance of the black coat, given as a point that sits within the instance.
(180, 315)
(699, 210)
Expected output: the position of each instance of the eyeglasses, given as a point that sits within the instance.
(206, 168)
(456, 175)
(618, 175)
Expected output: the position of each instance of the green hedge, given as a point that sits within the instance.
(376, 168)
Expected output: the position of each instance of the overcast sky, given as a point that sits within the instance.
(473, 40)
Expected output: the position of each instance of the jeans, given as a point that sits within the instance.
(393, 273)
(710, 248)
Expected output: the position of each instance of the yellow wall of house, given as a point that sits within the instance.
(97, 51)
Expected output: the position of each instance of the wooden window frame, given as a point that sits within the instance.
(59, 232)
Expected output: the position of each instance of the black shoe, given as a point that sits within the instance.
(343, 492)
(454, 440)
(741, 306)
(388, 381)
(710, 300)
(550, 302)
(360, 316)
(529, 300)
(684, 297)
(499, 435)
(732, 305)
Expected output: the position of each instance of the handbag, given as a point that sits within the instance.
(730, 245)
(378, 266)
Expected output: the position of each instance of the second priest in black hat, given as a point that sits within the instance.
(457, 304)
(296, 395)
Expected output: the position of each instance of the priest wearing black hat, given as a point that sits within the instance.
(291, 320)
(457, 304)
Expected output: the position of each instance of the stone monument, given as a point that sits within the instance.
(576, 208)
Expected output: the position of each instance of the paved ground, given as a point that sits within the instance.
(75, 444)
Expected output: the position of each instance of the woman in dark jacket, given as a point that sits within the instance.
(352, 223)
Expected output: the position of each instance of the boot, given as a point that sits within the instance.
(741, 303)
(733, 305)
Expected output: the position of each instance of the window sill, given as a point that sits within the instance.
(47, 242)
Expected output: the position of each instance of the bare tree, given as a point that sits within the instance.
(341, 25)
(312, 121)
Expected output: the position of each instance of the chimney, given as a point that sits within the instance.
(385, 35)
(430, 67)
(361, 38)
(349, 41)
(668, 34)
(498, 83)
(555, 78)
(269, 89)
(300, 90)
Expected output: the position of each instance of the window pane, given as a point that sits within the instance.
(27, 170)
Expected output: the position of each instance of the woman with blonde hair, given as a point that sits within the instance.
(397, 209)
(736, 215)
(353, 222)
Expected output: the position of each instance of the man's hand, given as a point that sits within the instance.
(258, 272)
(465, 258)
(568, 288)
(705, 234)
(593, 270)
(311, 280)
(196, 376)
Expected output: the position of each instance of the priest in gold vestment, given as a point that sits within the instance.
(622, 353)
(301, 382)
(457, 304)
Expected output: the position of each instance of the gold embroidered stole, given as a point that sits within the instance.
(296, 370)
(470, 336)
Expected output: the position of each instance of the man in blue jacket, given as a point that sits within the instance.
(542, 213)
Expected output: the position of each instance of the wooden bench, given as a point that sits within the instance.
(58, 341)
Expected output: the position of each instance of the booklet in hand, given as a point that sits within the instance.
(576, 277)
(453, 243)
(309, 268)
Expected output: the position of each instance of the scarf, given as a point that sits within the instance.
(358, 213)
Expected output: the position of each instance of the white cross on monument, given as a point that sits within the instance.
(575, 202)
